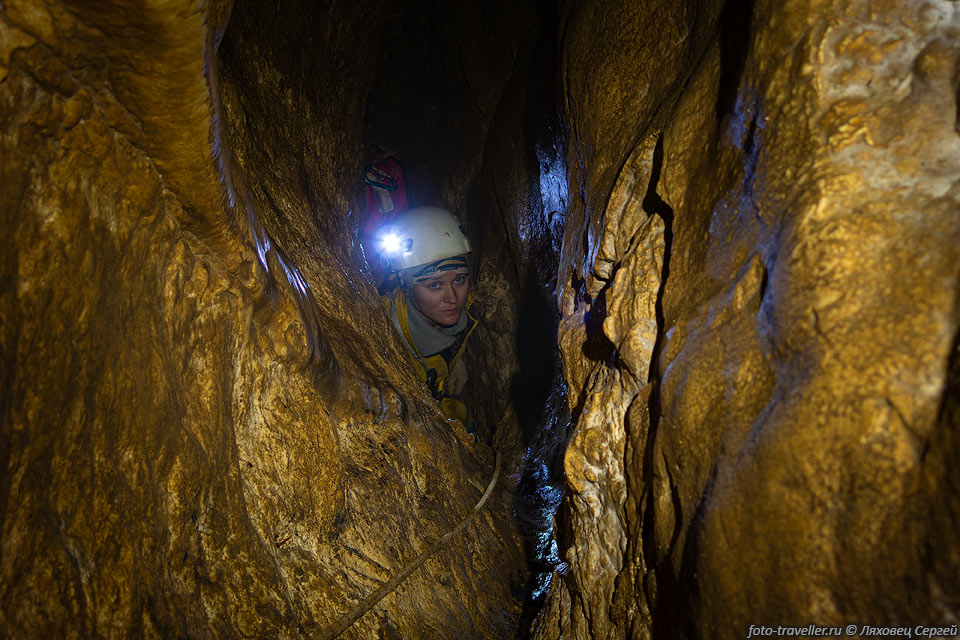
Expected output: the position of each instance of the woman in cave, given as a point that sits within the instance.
(427, 250)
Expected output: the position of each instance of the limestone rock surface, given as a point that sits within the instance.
(737, 221)
(760, 335)
(176, 193)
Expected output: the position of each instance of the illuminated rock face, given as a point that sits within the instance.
(759, 339)
(172, 464)
(758, 293)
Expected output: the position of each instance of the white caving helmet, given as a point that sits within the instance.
(420, 236)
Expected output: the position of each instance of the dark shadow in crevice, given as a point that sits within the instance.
(538, 392)
(684, 598)
(943, 512)
(752, 156)
(751, 138)
(955, 84)
(764, 282)
(536, 353)
(735, 29)
(537, 317)
(653, 204)
(597, 346)
(665, 611)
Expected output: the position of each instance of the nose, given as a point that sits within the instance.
(450, 295)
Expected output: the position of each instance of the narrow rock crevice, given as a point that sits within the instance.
(715, 249)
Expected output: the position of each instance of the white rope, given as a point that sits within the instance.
(371, 600)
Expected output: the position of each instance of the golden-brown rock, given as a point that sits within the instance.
(173, 466)
(788, 462)
(207, 427)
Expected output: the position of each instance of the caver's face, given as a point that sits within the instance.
(441, 298)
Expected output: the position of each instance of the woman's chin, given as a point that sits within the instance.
(447, 319)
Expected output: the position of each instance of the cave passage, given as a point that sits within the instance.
(715, 260)
(465, 95)
(459, 92)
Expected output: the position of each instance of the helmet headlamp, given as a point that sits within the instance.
(392, 243)
(419, 236)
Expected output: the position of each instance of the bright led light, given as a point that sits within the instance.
(390, 243)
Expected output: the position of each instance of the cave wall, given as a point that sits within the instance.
(208, 429)
(208, 426)
(759, 290)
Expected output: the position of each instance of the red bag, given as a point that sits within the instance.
(386, 195)
(385, 199)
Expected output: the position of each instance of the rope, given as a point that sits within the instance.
(371, 600)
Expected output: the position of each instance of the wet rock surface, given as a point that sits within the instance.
(175, 464)
(758, 336)
(717, 259)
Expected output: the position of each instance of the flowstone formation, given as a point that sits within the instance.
(760, 335)
(746, 212)
(207, 426)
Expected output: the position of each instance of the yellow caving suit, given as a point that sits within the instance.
(443, 372)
